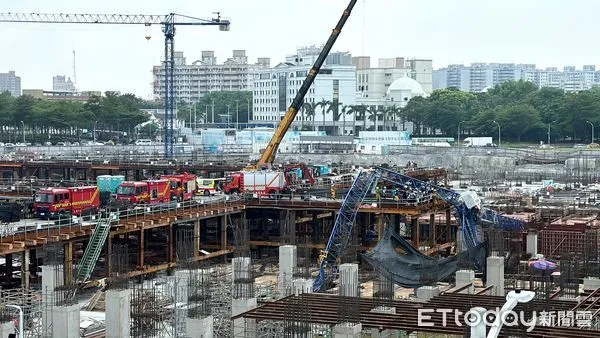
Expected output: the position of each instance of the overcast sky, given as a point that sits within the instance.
(115, 57)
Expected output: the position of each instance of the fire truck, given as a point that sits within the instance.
(183, 186)
(263, 182)
(54, 202)
(144, 192)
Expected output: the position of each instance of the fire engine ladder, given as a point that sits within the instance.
(93, 249)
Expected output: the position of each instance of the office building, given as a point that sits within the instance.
(10, 82)
(275, 88)
(61, 83)
(193, 81)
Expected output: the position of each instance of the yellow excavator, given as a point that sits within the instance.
(268, 156)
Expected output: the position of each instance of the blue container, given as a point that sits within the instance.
(109, 183)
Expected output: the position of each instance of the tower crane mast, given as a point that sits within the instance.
(168, 23)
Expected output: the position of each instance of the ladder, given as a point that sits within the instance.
(94, 248)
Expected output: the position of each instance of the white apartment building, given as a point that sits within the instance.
(10, 82)
(61, 83)
(479, 76)
(192, 81)
(275, 88)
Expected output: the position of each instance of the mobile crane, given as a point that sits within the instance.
(268, 156)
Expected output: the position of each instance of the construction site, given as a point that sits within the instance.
(205, 247)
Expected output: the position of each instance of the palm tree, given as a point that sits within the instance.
(392, 111)
(359, 110)
(345, 110)
(334, 108)
(323, 104)
(309, 111)
(374, 114)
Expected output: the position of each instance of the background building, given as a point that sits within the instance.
(479, 76)
(275, 88)
(53, 95)
(11, 83)
(192, 81)
(61, 83)
(392, 83)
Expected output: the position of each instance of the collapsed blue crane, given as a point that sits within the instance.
(168, 23)
(467, 216)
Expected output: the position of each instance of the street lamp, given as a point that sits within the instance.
(22, 123)
(21, 334)
(499, 137)
(458, 142)
(95, 123)
(591, 124)
(237, 114)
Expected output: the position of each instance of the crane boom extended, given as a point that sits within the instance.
(168, 23)
(268, 156)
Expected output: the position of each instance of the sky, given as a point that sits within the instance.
(117, 57)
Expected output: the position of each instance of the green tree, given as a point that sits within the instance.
(516, 119)
(214, 104)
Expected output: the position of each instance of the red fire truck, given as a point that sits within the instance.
(183, 186)
(144, 192)
(53, 202)
(266, 182)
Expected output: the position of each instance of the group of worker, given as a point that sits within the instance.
(417, 196)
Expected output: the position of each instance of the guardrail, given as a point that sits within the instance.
(20, 231)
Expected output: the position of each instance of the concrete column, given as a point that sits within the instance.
(349, 280)
(197, 238)
(243, 327)
(591, 283)
(302, 285)
(532, 243)
(65, 323)
(495, 275)
(377, 333)
(288, 259)
(464, 277)
(347, 330)
(25, 261)
(7, 328)
(199, 327)
(50, 280)
(182, 280)
(118, 313)
(427, 292)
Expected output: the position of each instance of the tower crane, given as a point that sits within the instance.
(268, 156)
(167, 22)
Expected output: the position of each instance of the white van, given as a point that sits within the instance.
(143, 142)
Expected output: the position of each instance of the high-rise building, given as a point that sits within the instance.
(275, 88)
(192, 81)
(61, 83)
(480, 76)
(9, 82)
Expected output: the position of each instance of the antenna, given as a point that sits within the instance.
(74, 72)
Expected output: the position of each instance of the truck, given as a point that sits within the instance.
(261, 182)
(478, 142)
(183, 186)
(54, 202)
(144, 192)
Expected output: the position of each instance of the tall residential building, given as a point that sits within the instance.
(275, 88)
(61, 83)
(479, 76)
(11, 83)
(192, 81)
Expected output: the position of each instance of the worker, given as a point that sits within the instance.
(378, 192)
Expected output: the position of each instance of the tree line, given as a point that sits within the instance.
(40, 117)
(524, 112)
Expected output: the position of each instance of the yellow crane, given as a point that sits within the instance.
(268, 156)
